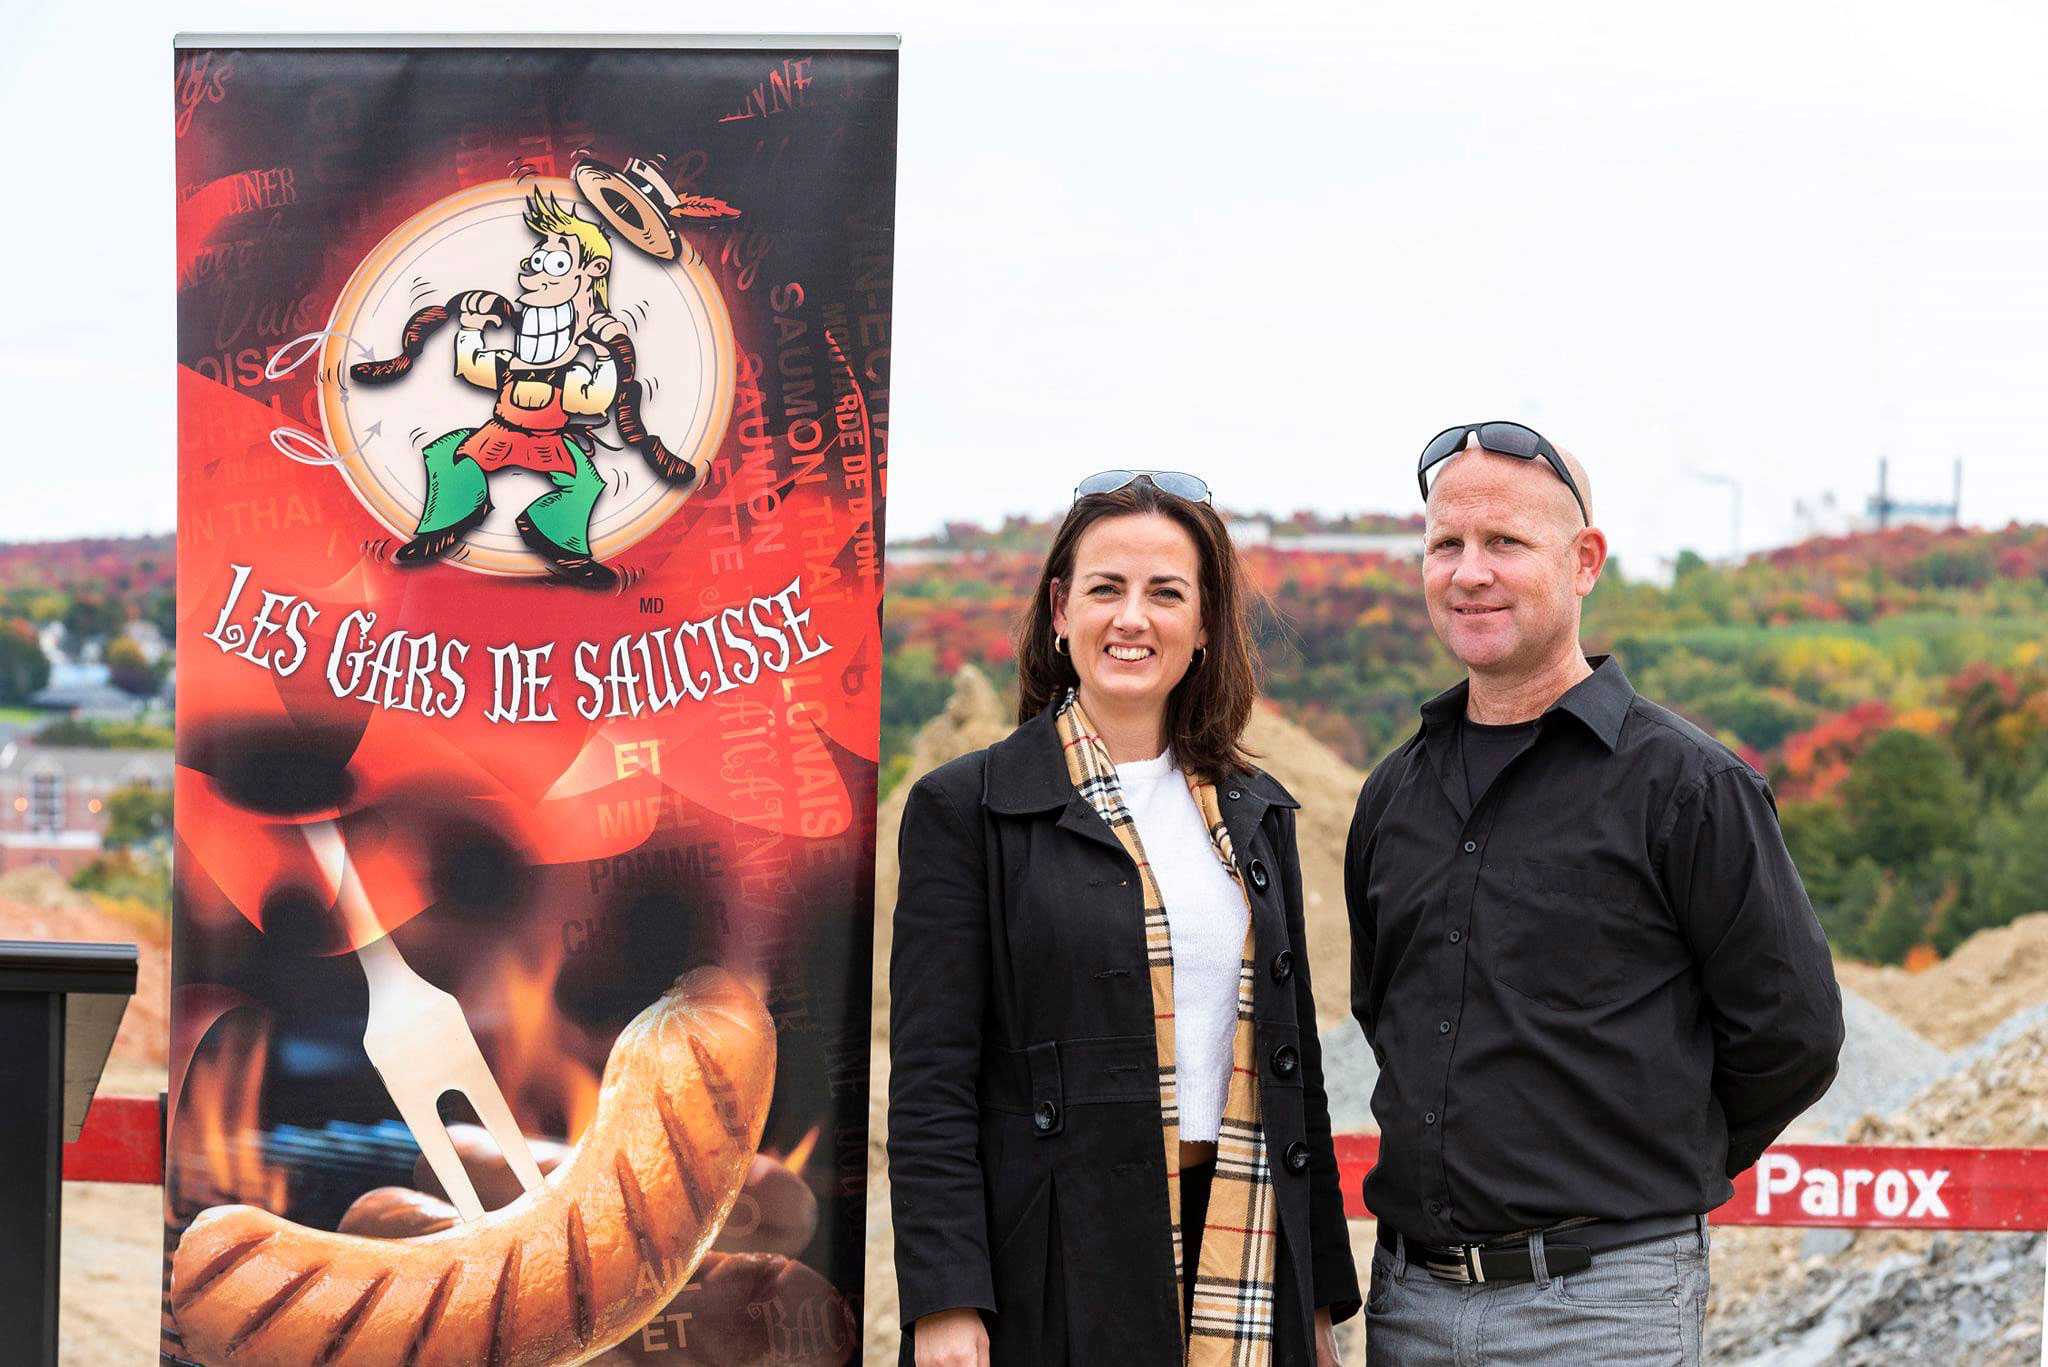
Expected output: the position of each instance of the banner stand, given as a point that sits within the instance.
(60, 1005)
(533, 398)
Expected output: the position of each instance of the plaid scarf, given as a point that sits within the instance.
(1232, 1322)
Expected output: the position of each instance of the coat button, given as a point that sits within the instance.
(1283, 966)
(1259, 879)
(1045, 1115)
(1296, 1157)
(1234, 794)
(1285, 1060)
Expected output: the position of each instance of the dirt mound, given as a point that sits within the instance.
(1958, 1000)
(35, 904)
(1327, 789)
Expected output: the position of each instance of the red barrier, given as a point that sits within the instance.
(1885, 1186)
(122, 1141)
(1861, 1186)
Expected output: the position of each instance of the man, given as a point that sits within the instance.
(1581, 954)
(542, 387)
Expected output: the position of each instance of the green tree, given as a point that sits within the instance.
(1898, 923)
(1999, 735)
(137, 815)
(2006, 876)
(913, 692)
(92, 617)
(1763, 717)
(127, 670)
(24, 671)
(161, 607)
(125, 876)
(1821, 846)
(1864, 889)
(1905, 799)
(83, 734)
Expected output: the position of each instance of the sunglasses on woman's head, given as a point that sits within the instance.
(1172, 482)
(1501, 438)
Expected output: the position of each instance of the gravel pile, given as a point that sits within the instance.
(1960, 1298)
(1885, 1064)
(1349, 1075)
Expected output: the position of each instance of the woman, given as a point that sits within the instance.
(1106, 1101)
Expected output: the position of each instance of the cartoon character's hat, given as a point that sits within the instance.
(642, 206)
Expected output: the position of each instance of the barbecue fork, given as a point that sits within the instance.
(418, 1038)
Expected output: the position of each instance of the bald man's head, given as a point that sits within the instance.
(1541, 483)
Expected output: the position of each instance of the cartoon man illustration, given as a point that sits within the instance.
(549, 400)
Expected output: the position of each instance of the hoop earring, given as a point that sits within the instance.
(1059, 645)
(1201, 653)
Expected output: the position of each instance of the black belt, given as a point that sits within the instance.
(1567, 1248)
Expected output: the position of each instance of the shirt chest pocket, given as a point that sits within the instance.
(1564, 936)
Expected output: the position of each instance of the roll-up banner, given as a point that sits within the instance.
(533, 405)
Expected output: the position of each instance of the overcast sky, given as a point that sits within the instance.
(1279, 246)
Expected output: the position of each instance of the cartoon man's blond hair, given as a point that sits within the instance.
(545, 215)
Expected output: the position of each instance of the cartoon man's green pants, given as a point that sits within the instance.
(457, 493)
(555, 526)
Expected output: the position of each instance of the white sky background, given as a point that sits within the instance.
(1279, 246)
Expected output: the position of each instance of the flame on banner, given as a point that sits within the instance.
(534, 1059)
(795, 1159)
(217, 1140)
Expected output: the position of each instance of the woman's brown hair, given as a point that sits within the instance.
(1207, 710)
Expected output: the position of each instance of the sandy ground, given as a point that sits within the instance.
(112, 1251)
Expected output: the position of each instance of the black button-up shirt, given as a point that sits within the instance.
(1597, 991)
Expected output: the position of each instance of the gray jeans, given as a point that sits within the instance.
(1641, 1306)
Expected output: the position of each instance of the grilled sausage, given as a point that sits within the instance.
(556, 1277)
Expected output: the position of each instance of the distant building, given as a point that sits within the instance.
(1402, 545)
(53, 800)
(89, 698)
(148, 638)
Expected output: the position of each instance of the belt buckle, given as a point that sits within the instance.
(1467, 1270)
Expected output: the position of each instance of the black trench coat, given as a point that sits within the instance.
(1026, 1167)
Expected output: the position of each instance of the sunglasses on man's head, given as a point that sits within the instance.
(1501, 438)
(1189, 487)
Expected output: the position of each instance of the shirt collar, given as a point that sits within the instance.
(1600, 701)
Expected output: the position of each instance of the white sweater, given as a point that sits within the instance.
(1205, 913)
